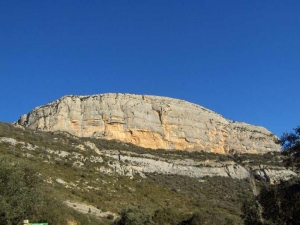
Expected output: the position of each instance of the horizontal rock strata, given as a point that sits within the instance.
(150, 121)
(130, 164)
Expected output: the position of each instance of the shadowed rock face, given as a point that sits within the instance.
(149, 121)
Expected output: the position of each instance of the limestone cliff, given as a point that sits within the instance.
(149, 121)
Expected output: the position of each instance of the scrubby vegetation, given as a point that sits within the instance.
(278, 204)
(60, 170)
(270, 159)
(24, 195)
(275, 205)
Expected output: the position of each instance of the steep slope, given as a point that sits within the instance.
(151, 122)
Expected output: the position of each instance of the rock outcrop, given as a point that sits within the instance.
(273, 175)
(133, 164)
(150, 121)
(138, 165)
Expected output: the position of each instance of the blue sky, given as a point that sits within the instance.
(238, 58)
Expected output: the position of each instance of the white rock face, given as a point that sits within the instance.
(145, 165)
(149, 121)
(131, 164)
(274, 175)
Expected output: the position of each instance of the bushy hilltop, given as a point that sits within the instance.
(151, 122)
(98, 181)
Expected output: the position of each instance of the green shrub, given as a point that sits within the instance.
(24, 195)
(135, 216)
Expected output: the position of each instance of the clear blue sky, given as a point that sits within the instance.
(239, 58)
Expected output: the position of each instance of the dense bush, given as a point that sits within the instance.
(166, 216)
(135, 216)
(276, 205)
(211, 216)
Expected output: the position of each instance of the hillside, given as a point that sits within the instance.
(98, 180)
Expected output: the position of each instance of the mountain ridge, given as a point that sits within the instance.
(150, 121)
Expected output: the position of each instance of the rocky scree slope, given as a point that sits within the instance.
(151, 122)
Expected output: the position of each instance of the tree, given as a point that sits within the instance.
(278, 204)
(291, 145)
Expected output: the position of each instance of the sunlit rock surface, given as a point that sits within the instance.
(150, 121)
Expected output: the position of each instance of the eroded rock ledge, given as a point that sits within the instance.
(150, 121)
